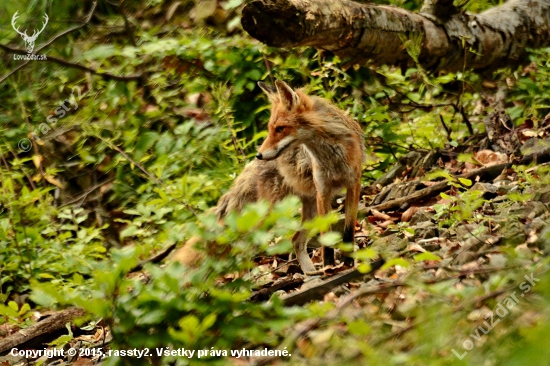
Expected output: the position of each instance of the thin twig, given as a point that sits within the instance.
(64, 62)
(29, 127)
(88, 191)
(268, 69)
(70, 30)
(19, 67)
(445, 127)
(127, 25)
(29, 178)
(466, 119)
(275, 269)
(74, 65)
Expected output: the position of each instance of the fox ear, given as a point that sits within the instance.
(268, 89)
(287, 95)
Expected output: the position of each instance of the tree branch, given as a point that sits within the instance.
(63, 62)
(86, 21)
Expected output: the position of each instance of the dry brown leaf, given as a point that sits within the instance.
(332, 270)
(478, 314)
(378, 229)
(330, 297)
(489, 157)
(415, 248)
(385, 224)
(316, 257)
(431, 263)
(54, 181)
(530, 133)
(150, 108)
(83, 362)
(408, 234)
(196, 113)
(489, 84)
(400, 270)
(408, 214)
(532, 237)
(37, 160)
(468, 167)
(380, 215)
(443, 201)
(470, 265)
(306, 347)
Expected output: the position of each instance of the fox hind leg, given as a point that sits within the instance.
(351, 208)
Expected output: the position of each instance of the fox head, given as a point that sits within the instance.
(285, 126)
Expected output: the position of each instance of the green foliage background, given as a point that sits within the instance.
(110, 182)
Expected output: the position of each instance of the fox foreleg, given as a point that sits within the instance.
(323, 208)
(299, 241)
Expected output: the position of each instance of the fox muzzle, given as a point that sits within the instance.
(273, 153)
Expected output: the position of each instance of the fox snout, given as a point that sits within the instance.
(271, 150)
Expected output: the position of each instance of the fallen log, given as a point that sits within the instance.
(318, 290)
(439, 37)
(51, 324)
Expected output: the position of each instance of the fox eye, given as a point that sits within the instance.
(279, 129)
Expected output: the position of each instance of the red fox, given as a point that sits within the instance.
(258, 180)
(313, 150)
(328, 152)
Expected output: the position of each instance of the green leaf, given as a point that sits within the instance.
(248, 220)
(26, 307)
(61, 341)
(189, 322)
(129, 231)
(13, 305)
(396, 262)
(364, 267)
(99, 52)
(7, 311)
(426, 256)
(366, 253)
(466, 182)
(151, 317)
(321, 223)
(208, 321)
(78, 279)
(358, 328)
(330, 239)
(145, 142)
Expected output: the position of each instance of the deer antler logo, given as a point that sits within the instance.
(29, 40)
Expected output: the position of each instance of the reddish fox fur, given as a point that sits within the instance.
(313, 150)
(328, 154)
